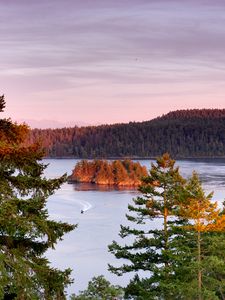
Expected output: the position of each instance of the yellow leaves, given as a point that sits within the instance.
(198, 208)
(218, 225)
(204, 215)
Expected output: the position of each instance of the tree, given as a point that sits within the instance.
(99, 289)
(104, 174)
(184, 254)
(26, 232)
(152, 248)
(120, 173)
(207, 223)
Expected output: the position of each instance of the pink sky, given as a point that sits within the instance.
(92, 62)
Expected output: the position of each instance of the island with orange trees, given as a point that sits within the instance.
(117, 172)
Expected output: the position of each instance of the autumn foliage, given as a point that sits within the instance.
(118, 173)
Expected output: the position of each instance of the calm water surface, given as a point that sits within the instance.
(85, 249)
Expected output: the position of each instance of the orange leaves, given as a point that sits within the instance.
(165, 161)
(204, 215)
(119, 173)
(218, 225)
(198, 208)
(155, 183)
(18, 153)
(13, 133)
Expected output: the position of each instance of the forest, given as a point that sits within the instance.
(118, 173)
(193, 133)
(182, 258)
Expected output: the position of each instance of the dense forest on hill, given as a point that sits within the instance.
(183, 133)
(118, 173)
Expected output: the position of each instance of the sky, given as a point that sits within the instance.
(108, 61)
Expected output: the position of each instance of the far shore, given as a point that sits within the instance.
(136, 157)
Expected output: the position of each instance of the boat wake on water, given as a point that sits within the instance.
(85, 206)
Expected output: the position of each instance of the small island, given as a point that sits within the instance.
(118, 173)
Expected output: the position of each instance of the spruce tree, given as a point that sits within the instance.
(152, 249)
(100, 289)
(26, 232)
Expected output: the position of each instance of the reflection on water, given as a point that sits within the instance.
(101, 187)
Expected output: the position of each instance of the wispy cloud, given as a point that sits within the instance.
(85, 50)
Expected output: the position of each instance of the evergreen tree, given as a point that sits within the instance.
(120, 173)
(207, 225)
(100, 289)
(184, 254)
(185, 133)
(26, 232)
(152, 248)
(104, 174)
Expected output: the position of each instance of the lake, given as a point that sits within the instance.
(85, 249)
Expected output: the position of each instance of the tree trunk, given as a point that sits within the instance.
(165, 228)
(199, 268)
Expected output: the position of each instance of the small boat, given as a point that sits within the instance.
(81, 211)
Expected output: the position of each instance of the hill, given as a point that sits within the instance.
(182, 133)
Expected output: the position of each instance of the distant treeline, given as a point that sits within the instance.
(119, 173)
(183, 133)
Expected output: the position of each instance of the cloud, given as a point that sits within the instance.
(91, 48)
(84, 34)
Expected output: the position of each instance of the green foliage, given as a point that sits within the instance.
(99, 289)
(185, 133)
(26, 230)
(139, 289)
(207, 259)
(152, 249)
(177, 239)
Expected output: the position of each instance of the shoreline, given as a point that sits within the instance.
(136, 158)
